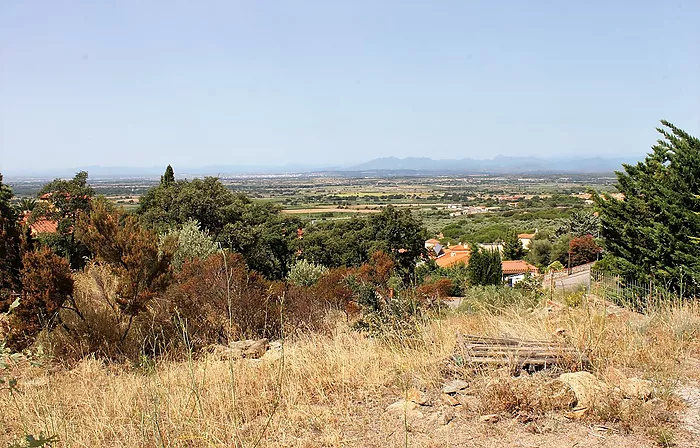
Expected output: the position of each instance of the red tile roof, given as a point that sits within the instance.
(41, 225)
(451, 260)
(517, 267)
(526, 236)
(44, 226)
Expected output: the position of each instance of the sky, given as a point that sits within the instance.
(261, 82)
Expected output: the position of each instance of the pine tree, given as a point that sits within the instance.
(651, 233)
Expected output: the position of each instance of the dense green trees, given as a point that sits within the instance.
(485, 267)
(258, 231)
(64, 201)
(352, 242)
(653, 232)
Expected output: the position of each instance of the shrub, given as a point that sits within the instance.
(218, 300)
(192, 242)
(47, 284)
(435, 291)
(305, 273)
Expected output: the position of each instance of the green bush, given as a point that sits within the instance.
(305, 273)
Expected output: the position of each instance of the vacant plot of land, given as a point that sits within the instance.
(340, 389)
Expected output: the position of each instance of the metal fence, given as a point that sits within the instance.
(635, 294)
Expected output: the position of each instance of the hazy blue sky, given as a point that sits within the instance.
(260, 82)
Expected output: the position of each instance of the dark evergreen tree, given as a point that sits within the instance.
(485, 267)
(10, 256)
(513, 247)
(168, 178)
(653, 231)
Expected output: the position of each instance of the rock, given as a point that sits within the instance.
(586, 387)
(256, 349)
(629, 387)
(272, 355)
(637, 388)
(491, 418)
(401, 406)
(468, 402)
(408, 408)
(560, 332)
(449, 399)
(224, 352)
(242, 349)
(454, 387)
(446, 416)
(417, 397)
(577, 414)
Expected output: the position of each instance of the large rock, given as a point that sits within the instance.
(588, 388)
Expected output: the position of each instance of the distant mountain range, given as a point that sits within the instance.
(497, 165)
(385, 166)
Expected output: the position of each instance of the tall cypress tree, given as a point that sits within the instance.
(653, 232)
(513, 247)
(485, 267)
(168, 178)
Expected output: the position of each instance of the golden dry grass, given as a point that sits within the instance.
(332, 390)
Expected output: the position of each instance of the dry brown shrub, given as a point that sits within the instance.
(47, 285)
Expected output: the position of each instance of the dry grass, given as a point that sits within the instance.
(332, 390)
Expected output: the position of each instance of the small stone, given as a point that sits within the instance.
(560, 332)
(408, 408)
(491, 418)
(467, 401)
(454, 387)
(417, 397)
(402, 406)
(630, 387)
(449, 399)
(577, 414)
(446, 416)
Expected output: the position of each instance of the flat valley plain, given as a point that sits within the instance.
(528, 201)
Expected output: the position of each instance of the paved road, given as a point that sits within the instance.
(571, 282)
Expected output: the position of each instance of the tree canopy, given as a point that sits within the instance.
(64, 201)
(653, 232)
(352, 242)
(258, 231)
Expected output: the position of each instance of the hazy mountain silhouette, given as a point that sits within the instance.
(499, 164)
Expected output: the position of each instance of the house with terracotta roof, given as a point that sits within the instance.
(40, 225)
(516, 270)
(452, 256)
